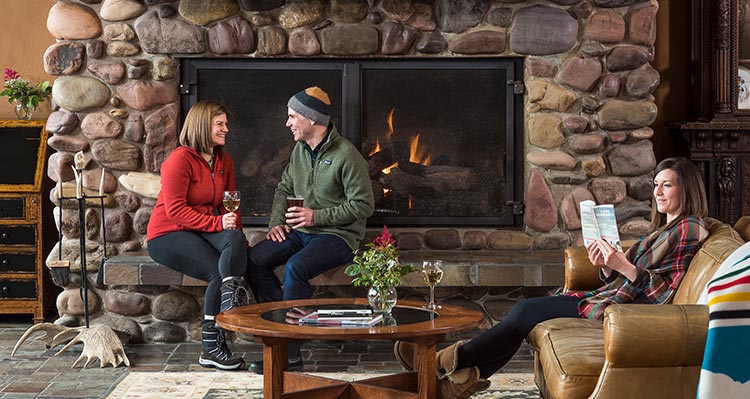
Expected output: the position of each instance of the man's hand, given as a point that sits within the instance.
(298, 216)
(229, 221)
(278, 233)
(294, 314)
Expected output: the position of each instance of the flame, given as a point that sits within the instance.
(390, 124)
(376, 149)
(411, 201)
(386, 191)
(387, 170)
(417, 154)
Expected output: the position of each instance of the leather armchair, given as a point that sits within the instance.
(638, 351)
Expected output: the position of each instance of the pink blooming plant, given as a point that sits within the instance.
(19, 90)
(378, 266)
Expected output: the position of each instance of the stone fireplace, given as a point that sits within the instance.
(582, 126)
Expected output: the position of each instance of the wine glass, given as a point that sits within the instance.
(432, 273)
(231, 201)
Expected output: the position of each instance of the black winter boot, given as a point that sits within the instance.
(215, 351)
(234, 293)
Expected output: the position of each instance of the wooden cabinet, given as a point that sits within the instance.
(22, 269)
(718, 136)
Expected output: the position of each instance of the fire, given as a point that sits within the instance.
(390, 124)
(417, 153)
(387, 170)
(411, 202)
(376, 149)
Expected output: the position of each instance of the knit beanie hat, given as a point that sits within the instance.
(312, 103)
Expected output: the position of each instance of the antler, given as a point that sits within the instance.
(99, 342)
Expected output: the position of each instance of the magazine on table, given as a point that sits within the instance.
(341, 317)
(598, 221)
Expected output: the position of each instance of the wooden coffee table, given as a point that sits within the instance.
(266, 323)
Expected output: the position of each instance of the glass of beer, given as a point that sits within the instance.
(432, 273)
(231, 200)
(295, 200)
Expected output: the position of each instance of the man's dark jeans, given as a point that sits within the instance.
(305, 255)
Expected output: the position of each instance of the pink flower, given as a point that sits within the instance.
(385, 238)
(11, 74)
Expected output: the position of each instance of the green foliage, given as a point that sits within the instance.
(378, 266)
(21, 91)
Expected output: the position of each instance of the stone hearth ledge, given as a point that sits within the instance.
(462, 268)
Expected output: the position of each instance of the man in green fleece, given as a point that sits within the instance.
(331, 175)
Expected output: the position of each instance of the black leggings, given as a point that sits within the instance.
(494, 348)
(206, 256)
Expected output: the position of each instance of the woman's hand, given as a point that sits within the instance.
(596, 258)
(298, 216)
(278, 233)
(616, 260)
(229, 221)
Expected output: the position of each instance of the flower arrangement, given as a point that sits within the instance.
(378, 266)
(20, 91)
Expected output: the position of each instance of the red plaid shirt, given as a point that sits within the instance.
(662, 259)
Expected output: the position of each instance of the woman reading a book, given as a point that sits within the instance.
(649, 272)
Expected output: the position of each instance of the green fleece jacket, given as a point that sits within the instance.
(336, 186)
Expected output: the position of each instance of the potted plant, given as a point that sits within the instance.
(25, 96)
(378, 267)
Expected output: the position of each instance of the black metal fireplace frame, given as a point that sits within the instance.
(351, 71)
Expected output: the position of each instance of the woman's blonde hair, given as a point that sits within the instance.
(692, 191)
(196, 131)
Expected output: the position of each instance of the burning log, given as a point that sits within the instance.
(389, 154)
(435, 179)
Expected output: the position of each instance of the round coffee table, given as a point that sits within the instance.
(265, 322)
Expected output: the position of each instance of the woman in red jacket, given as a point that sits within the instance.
(190, 232)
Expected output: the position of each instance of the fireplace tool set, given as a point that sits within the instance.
(99, 341)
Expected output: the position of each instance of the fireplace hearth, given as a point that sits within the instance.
(443, 138)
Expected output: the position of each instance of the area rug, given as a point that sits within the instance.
(236, 385)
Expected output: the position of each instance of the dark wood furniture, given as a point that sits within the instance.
(276, 334)
(719, 136)
(22, 160)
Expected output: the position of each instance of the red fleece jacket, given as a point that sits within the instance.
(190, 193)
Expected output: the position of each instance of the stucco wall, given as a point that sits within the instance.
(23, 40)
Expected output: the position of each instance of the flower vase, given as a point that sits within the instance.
(382, 300)
(23, 112)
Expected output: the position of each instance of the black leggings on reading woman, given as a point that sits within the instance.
(491, 350)
(206, 256)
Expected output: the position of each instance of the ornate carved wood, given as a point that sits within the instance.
(718, 135)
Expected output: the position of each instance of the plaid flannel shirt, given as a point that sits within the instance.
(662, 259)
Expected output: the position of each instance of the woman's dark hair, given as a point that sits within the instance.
(692, 191)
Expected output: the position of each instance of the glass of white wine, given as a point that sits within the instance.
(432, 272)
(231, 201)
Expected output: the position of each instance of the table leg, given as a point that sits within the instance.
(274, 365)
(426, 366)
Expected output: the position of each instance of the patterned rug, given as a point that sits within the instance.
(236, 385)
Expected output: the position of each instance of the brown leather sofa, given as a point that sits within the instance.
(638, 351)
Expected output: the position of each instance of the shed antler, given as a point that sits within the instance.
(99, 342)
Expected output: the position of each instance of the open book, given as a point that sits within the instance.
(341, 318)
(598, 221)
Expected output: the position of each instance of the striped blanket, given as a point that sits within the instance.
(726, 362)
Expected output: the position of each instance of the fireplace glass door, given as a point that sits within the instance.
(442, 138)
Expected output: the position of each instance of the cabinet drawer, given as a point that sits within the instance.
(18, 235)
(17, 289)
(11, 208)
(11, 263)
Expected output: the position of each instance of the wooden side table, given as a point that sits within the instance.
(22, 160)
(266, 323)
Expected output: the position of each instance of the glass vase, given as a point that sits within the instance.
(23, 112)
(382, 300)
